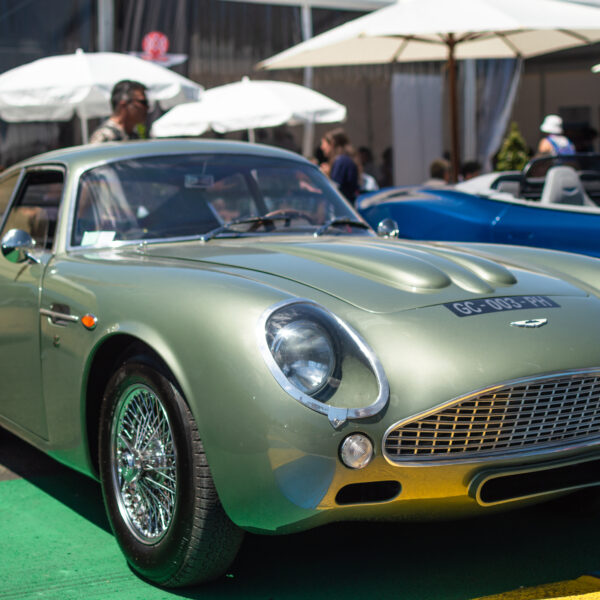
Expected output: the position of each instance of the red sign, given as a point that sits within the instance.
(155, 45)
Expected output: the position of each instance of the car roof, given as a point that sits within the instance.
(95, 153)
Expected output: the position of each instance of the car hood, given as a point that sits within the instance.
(373, 274)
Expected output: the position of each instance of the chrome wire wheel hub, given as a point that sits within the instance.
(144, 464)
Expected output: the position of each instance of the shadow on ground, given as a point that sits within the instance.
(80, 493)
(443, 560)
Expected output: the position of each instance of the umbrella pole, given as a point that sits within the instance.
(84, 129)
(455, 149)
(308, 135)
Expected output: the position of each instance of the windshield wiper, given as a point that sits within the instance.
(337, 221)
(226, 227)
(266, 221)
(285, 216)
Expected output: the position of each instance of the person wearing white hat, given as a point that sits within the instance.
(555, 142)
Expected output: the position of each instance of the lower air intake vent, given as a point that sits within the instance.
(366, 493)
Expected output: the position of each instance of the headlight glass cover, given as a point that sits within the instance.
(321, 362)
(305, 353)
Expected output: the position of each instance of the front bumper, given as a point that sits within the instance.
(332, 492)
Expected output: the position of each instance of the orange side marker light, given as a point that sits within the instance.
(89, 321)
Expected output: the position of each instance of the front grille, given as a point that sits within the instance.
(528, 414)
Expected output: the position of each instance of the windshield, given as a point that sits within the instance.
(175, 196)
(538, 167)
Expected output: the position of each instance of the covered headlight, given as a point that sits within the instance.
(305, 353)
(321, 362)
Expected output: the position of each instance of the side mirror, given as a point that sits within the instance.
(388, 228)
(17, 245)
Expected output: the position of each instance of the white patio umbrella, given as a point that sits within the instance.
(429, 30)
(56, 87)
(249, 105)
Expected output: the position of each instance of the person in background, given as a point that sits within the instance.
(470, 169)
(555, 142)
(367, 182)
(386, 176)
(340, 167)
(365, 156)
(439, 173)
(366, 170)
(129, 108)
(283, 138)
(318, 157)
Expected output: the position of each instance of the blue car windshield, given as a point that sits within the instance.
(188, 195)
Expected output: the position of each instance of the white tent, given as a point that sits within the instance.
(306, 20)
(429, 30)
(249, 105)
(57, 87)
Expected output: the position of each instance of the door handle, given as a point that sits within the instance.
(59, 314)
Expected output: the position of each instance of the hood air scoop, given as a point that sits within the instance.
(413, 268)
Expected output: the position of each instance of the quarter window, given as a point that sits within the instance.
(36, 208)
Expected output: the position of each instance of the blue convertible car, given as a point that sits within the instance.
(553, 203)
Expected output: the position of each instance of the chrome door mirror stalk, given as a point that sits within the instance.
(17, 245)
(388, 228)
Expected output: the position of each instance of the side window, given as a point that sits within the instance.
(36, 208)
(7, 186)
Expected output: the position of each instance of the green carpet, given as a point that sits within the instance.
(55, 544)
(51, 551)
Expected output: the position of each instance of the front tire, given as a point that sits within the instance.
(158, 490)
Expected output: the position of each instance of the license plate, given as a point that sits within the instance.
(481, 306)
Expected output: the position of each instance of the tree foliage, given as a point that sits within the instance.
(514, 153)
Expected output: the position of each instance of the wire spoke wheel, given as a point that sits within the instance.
(144, 464)
(158, 490)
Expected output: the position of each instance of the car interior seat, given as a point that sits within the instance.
(186, 213)
(510, 187)
(563, 186)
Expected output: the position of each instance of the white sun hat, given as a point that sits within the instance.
(552, 124)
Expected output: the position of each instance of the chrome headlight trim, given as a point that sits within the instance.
(337, 415)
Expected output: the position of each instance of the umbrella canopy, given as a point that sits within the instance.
(57, 87)
(249, 105)
(424, 30)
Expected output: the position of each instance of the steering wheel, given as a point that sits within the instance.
(285, 214)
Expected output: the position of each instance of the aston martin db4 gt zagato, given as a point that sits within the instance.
(213, 333)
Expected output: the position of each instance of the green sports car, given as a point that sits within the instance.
(211, 331)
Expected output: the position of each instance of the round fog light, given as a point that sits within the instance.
(356, 451)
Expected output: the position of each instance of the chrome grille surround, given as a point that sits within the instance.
(520, 416)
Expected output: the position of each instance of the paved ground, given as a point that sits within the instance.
(55, 544)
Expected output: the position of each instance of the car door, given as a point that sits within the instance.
(34, 209)
(555, 228)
